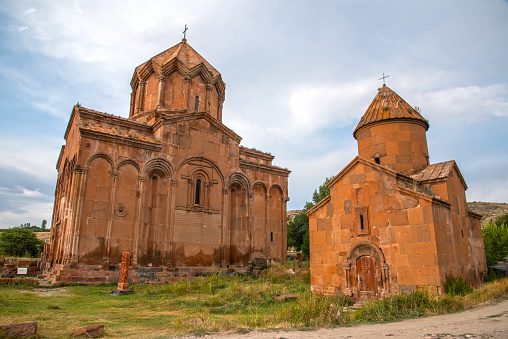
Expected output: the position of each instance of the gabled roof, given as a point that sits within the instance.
(389, 105)
(391, 172)
(184, 59)
(182, 52)
(439, 171)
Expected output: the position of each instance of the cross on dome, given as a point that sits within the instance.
(384, 77)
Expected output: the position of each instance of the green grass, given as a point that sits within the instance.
(213, 304)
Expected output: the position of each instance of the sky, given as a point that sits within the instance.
(299, 75)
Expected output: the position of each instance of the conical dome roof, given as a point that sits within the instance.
(389, 105)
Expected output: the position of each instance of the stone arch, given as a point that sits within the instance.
(100, 155)
(203, 159)
(199, 189)
(259, 220)
(260, 183)
(238, 186)
(96, 209)
(158, 164)
(365, 248)
(125, 210)
(130, 162)
(276, 226)
(240, 179)
(359, 254)
(277, 186)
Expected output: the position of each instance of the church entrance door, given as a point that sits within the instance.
(366, 270)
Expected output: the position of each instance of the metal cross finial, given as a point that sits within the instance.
(384, 77)
(185, 31)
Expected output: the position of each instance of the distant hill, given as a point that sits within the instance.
(293, 213)
(489, 210)
(43, 236)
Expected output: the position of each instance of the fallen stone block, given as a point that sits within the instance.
(90, 331)
(285, 297)
(28, 329)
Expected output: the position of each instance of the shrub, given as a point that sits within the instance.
(19, 242)
(495, 238)
(455, 285)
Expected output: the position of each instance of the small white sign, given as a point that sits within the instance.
(22, 270)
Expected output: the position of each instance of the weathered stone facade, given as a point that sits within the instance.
(392, 222)
(170, 184)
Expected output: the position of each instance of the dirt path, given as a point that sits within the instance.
(488, 321)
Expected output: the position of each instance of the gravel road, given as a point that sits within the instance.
(487, 321)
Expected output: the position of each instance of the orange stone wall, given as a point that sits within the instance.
(459, 238)
(127, 187)
(411, 233)
(400, 145)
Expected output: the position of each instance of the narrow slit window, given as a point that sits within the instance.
(198, 192)
(271, 236)
(362, 227)
(196, 103)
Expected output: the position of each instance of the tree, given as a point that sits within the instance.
(321, 192)
(298, 228)
(495, 238)
(305, 245)
(43, 224)
(20, 242)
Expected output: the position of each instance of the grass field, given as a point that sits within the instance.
(213, 304)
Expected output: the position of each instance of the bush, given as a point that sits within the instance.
(495, 238)
(20, 242)
(456, 286)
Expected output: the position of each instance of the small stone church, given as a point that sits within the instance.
(170, 184)
(393, 222)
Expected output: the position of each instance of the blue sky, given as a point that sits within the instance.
(299, 76)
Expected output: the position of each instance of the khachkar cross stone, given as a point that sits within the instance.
(124, 276)
(123, 284)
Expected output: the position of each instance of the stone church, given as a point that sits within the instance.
(393, 222)
(170, 184)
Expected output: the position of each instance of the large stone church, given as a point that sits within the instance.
(170, 184)
(393, 222)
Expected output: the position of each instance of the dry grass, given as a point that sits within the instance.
(213, 304)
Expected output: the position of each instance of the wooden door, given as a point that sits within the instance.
(366, 269)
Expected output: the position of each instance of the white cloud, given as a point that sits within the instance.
(336, 105)
(467, 103)
(33, 212)
(29, 159)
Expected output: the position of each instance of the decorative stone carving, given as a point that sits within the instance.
(121, 210)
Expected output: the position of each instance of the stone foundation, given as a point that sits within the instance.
(95, 275)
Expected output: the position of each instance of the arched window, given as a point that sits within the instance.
(196, 103)
(198, 192)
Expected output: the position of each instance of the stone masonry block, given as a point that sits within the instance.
(357, 178)
(400, 234)
(424, 233)
(398, 217)
(415, 216)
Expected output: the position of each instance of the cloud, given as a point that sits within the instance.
(471, 103)
(316, 106)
